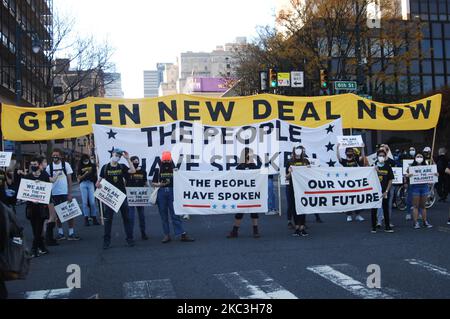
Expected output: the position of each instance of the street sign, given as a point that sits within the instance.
(284, 79)
(297, 79)
(346, 85)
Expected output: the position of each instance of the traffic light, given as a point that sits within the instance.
(324, 79)
(273, 78)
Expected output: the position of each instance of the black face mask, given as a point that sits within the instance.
(56, 159)
(136, 165)
(34, 169)
(350, 156)
(85, 162)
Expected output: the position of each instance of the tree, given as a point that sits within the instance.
(333, 35)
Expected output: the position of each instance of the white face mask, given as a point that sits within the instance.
(419, 160)
(412, 153)
(298, 151)
(115, 159)
(381, 159)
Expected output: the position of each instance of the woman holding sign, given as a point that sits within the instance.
(419, 194)
(298, 159)
(35, 212)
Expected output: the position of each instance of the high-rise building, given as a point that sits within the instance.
(152, 79)
(113, 85)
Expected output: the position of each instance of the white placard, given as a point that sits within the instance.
(138, 196)
(406, 164)
(110, 195)
(297, 79)
(350, 141)
(423, 174)
(5, 159)
(34, 191)
(68, 210)
(335, 190)
(227, 192)
(398, 175)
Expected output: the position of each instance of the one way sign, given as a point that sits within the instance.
(297, 79)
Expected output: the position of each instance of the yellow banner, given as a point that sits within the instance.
(76, 119)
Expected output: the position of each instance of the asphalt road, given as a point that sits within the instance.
(331, 263)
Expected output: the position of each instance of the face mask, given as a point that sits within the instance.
(56, 159)
(34, 169)
(298, 151)
(136, 165)
(381, 159)
(419, 160)
(412, 153)
(349, 155)
(115, 159)
(86, 162)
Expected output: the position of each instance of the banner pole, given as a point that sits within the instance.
(433, 145)
(279, 194)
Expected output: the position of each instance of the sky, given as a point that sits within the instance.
(145, 32)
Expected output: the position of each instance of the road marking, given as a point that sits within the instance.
(150, 289)
(444, 229)
(348, 283)
(254, 285)
(49, 294)
(429, 267)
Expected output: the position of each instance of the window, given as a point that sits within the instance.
(439, 67)
(448, 66)
(447, 48)
(437, 30)
(415, 67)
(447, 30)
(433, 7)
(442, 7)
(438, 49)
(427, 82)
(439, 81)
(415, 85)
(425, 47)
(426, 66)
(426, 30)
(414, 5)
(423, 6)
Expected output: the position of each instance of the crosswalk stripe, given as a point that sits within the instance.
(49, 294)
(150, 289)
(348, 283)
(429, 267)
(254, 285)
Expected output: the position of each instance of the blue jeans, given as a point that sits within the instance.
(409, 200)
(132, 214)
(380, 214)
(272, 198)
(165, 205)
(109, 216)
(87, 190)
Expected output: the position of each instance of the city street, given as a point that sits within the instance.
(331, 263)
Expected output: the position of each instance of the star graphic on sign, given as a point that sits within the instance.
(337, 175)
(111, 134)
(224, 206)
(233, 206)
(214, 206)
(112, 151)
(331, 163)
(330, 147)
(328, 175)
(346, 174)
(330, 129)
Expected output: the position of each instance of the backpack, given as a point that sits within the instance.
(15, 257)
(63, 164)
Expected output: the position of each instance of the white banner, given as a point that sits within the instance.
(335, 190)
(34, 191)
(196, 147)
(138, 196)
(398, 175)
(230, 192)
(67, 211)
(110, 195)
(5, 159)
(350, 141)
(423, 174)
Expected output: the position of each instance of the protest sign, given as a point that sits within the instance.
(5, 159)
(229, 192)
(350, 141)
(332, 190)
(406, 164)
(138, 196)
(34, 191)
(423, 174)
(398, 175)
(110, 195)
(68, 210)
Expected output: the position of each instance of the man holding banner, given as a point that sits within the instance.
(115, 174)
(386, 176)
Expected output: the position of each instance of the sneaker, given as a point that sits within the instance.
(379, 226)
(185, 238)
(297, 233)
(43, 251)
(144, 237)
(73, 237)
(271, 213)
(290, 225)
(232, 235)
(359, 218)
(448, 223)
(392, 225)
(186, 217)
(374, 231)
(416, 225)
(106, 245)
(95, 222)
(303, 233)
(427, 225)
(408, 217)
(60, 237)
(166, 240)
(35, 253)
(349, 219)
(388, 230)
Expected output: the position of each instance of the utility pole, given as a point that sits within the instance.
(360, 75)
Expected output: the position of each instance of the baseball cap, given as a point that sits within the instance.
(427, 149)
(119, 151)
